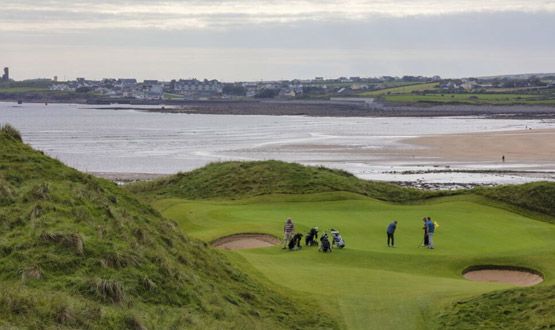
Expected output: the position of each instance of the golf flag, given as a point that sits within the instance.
(436, 225)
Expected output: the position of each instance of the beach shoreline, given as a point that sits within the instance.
(311, 108)
(505, 147)
(483, 150)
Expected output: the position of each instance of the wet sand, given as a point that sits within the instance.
(530, 146)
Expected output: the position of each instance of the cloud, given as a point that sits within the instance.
(60, 16)
(256, 39)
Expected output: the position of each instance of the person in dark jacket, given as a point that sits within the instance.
(425, 228)
(390, 233)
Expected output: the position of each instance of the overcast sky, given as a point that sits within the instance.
(266, 39)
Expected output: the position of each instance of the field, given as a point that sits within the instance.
(406, 89)
(368, 285)
(429, 93)
(22, 89)
(469, 98)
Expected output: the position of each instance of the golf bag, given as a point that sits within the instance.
(311, 237)
(337, 239)
(295, 242)
(325, 245)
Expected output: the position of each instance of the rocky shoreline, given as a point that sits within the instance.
(347, 109)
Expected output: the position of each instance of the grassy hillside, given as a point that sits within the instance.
(530, 308)
(234, 180)
(536, 196)
(78, 252)
(237, 180)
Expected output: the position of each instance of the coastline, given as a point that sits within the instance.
(325, 108)
(353, 109)
(530, 147)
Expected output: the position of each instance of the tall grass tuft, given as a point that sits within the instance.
(109, 290)
(71, 241)
(133, 323)
(64, 315)
(11, 132)
(7, 194)
(31, 273)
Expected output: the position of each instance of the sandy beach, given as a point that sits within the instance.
(531, 146)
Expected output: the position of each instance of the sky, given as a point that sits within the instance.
(233, 40)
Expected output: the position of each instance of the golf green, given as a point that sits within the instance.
(368, 285)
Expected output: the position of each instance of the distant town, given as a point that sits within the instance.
(405, 89)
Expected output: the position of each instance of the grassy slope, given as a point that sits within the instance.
(234, 180)
(78, 252)
(242, 180)
(536, 196)
(511, 309)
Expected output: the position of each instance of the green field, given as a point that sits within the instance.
(23, 89)
(429, 93)
(368, 285)
(406, 89)
(468, 98)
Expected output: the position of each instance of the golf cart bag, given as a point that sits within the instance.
(311, 237)
(325, 245)
(337, 239)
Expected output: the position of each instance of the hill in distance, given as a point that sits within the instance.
(522, 76)
(236, 180)
(79, 252)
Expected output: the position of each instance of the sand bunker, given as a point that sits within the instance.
(245, 241)
(503, 274)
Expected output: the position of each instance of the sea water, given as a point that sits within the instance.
(97, 139)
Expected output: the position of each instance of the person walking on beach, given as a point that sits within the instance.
(390, 233)
(288, 231)
(425, 228)
(430, 227)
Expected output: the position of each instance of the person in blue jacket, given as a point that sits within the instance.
(431, 227)
(390, 233)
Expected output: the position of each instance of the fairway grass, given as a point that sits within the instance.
(368, 285)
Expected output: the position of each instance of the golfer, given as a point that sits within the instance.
(390, 233)
(288, 231)
(425, 228)
(431, 228)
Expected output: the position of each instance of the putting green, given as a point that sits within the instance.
(368, 285)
